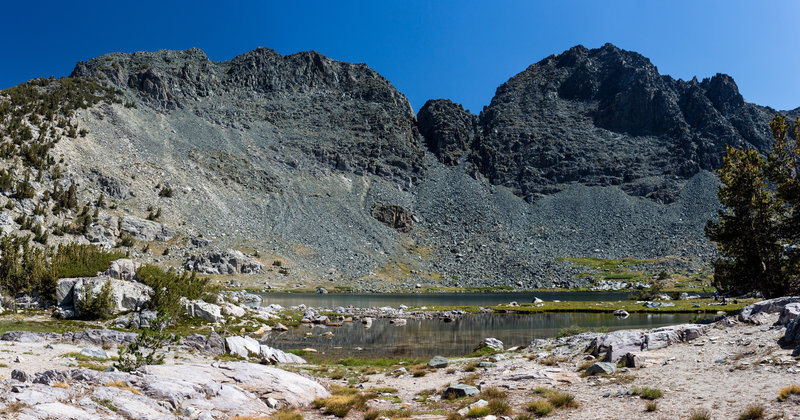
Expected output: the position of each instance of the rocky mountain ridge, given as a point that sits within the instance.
(322, 170)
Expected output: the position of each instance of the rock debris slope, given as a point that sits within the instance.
(324, 170)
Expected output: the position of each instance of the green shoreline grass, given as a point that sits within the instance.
(681, 306)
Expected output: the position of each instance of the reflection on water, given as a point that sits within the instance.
(425, 338)
(369, 300)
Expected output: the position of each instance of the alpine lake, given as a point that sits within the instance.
(423, 338)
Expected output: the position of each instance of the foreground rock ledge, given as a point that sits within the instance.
(157, 392)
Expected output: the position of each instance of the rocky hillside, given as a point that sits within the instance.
(321, 171)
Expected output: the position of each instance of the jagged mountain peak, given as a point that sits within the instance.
(605, 116)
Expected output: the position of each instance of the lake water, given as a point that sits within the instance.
(426, 338)
(369, 300)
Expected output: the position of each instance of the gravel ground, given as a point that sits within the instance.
(755, 368)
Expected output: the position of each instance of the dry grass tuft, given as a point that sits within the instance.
(123, 385)
(788, 391)
(540, 408)
(752, 412)
(700, 414)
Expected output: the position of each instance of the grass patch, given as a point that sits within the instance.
(478, 412)
(499, 407)
(342, 400)
(788, 391)
(492, 393)
(470, 379)
(561, 399)
(483, 352)
(124, 386)
(83, 358)
(287, 415)
(752, 412)
(383, 363)
(575, 330)
(540, 408)
(470, 367)
(651, 406)
(92, 366)
(648, 393)
(681, 306)
(700, 414)
(106, 403)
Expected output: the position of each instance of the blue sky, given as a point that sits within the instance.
(460, 50)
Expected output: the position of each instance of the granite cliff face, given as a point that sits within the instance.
(321, 170)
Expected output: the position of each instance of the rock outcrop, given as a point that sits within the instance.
(613, 346)
(229, 261)
(159, 392)
(125, 295)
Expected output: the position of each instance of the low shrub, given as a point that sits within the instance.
(651, 406)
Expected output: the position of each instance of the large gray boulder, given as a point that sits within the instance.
(769, 306)
(616, 344)
(202, 309)
(274, 356)
(229, 261)
(261, 380)
(789, 313)
(29, 336)
(242, 346)
(438, 362)
(459, 390)
(661, 337)
(791, 335)
(491, 343)
(123, 269)
(213, 344)
(126, 295)
(100, 337)
(601, 367)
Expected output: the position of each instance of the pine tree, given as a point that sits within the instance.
(747, 230)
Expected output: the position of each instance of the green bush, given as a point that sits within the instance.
(95, 306)
(166, 192)
(648, 393)
(25, 268)
(75, 260)
(147, 349)
(33, 270)
(168, 288)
